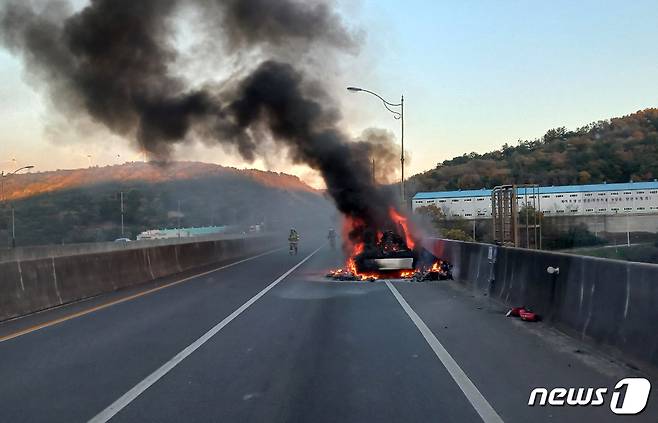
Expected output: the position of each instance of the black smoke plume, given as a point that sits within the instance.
(112, 61)
(379, 145)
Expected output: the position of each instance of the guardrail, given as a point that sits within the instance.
(611, 303)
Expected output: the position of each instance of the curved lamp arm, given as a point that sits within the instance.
(387, 104)
(4, 175)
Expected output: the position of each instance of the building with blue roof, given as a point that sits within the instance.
(566, 200)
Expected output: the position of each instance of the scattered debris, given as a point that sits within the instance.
(514, 311)
(439, 271)
(528, 316)
(522, 312)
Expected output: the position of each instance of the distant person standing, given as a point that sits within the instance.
(332, 238)
(293, 239)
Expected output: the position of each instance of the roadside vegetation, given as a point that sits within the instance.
(435, 221)
(614, 150)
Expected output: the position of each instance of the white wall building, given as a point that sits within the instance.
(567, 200)
(180, 233)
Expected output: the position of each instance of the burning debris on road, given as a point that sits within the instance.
(440, 270)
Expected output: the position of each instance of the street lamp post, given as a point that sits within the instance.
(178, 223)
(122, 232)
(396, 115)
(4, 175)
(13, 227)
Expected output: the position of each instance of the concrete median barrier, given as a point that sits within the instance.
(31, 285)
(27, 287)
(611, 303)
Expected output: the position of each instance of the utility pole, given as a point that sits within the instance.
(541, 213)
(122, 231)
(527, 223)
(535, 195)
(404, 200)
(13, 228)
(628, 233)
(4, 175)
(178, 216)
(374, 179)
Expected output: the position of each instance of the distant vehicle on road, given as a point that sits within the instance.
(122, 240)
(255, 228)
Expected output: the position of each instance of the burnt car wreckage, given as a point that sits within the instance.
(387, 256)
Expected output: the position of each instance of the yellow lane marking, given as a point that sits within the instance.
(124, 299)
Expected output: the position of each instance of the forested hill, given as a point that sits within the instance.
(26, 185)
(84, 205)
(616, 150)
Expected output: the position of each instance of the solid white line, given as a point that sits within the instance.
(477, 400)
(142, 386)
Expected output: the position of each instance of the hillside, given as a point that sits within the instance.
(614, 150)
(29, 184)
(83, 205)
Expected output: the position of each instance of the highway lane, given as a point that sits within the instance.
(311, 351)
(71, 371)
(308, 350)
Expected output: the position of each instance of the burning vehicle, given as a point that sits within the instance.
(391, 253)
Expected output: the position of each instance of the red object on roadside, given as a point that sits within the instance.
(515, 311)
(528, 316)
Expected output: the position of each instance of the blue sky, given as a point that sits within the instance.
(475, 74)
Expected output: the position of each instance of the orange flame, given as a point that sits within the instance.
(402, 221)
(355, 248)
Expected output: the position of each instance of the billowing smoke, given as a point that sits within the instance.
(276, 22)
(379, 145)
(112, 60)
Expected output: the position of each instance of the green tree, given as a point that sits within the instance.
(454, 227)
(456, 234)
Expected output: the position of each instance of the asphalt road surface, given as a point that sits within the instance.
(270, 340)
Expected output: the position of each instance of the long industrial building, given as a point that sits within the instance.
(568, 200)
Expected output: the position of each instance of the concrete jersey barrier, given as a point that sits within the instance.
(27, 286)
(611, 303)
(47, 251)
